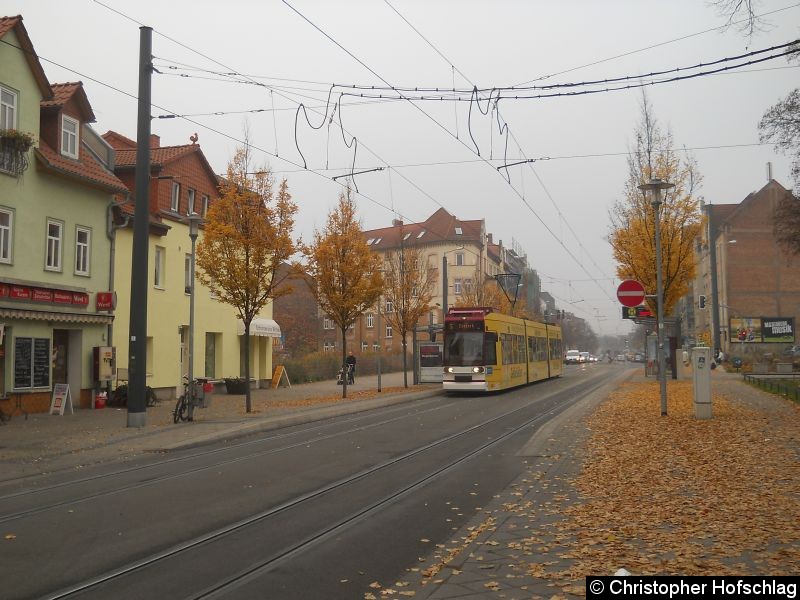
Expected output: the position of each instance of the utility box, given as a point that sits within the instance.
(701, 374)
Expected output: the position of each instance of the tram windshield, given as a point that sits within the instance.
(463, 349)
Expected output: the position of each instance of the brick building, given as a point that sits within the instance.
(752, 286)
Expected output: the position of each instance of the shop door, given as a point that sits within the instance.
(60, 355)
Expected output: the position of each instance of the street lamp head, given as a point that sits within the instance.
(194, 221)
(654, 187)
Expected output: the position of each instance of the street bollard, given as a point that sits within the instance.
(701, 376)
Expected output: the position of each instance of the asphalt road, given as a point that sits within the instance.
(314, 511)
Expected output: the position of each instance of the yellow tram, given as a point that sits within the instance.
(487, 351)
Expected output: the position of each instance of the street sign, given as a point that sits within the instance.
(636, 312)
(630, 293)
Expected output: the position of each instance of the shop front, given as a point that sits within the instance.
(44, 342)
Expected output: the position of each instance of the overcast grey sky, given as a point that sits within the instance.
(556, 209)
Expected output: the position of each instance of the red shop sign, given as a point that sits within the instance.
(62, 297)
(106, 300)
(41, 295)
(4, 290)
(80, 298)
(20, 293)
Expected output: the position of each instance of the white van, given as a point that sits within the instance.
(573, 357)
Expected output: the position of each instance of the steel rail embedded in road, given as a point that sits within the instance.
(222, 532)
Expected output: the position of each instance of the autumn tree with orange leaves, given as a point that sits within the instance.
(409, 282)
(632, 234)
(248, 234)
(345, 276)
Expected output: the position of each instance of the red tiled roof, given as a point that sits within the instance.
(440, 226)
(64, 92)
(118, 141)
(87, 168)
(15, 23)
(158, 156)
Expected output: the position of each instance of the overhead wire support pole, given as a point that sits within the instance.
(137, 348)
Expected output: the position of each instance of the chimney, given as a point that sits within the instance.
(769, 172)
(488, 238)
(397, 222)
(155, 141)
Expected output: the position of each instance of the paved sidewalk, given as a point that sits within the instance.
(47, 443)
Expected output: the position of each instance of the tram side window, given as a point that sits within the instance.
(505, 342)
(490, 352)
(541, 344)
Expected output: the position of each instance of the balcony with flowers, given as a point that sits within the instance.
(14, 146)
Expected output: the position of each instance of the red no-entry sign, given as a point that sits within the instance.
(630, 293)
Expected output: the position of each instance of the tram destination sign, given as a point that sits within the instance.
(636, 312)
(464, 325)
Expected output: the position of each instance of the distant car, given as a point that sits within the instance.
(584, 357)
(592, 358)
(573, 357)
(794, 351)
(620, 358)
(638, 357)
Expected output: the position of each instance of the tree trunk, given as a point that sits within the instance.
(405, 359)
(344, 362)
(247, 402)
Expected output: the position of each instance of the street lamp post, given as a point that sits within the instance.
(194, 225)
(655, 187)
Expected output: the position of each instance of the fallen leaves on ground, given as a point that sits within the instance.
(659, 495)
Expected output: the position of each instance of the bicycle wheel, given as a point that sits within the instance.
(181, 412)
(150, 396)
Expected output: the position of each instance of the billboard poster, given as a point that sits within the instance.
(746, 330)
(777, 329)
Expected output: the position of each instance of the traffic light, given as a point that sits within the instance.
(702, 301)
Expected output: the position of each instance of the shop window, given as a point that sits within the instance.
(31, 363)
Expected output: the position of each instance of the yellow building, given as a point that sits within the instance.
(182, 182)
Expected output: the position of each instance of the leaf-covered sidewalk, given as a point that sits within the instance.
(655, 495)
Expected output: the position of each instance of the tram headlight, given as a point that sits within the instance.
(448, 369)
(477, 369)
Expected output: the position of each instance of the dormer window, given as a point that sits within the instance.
(69, 136)
(459, 231)
(176, 196)
(406, 236)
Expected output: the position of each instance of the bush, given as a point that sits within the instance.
(319, 366)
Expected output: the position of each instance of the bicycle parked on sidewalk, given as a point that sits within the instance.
(190, 397)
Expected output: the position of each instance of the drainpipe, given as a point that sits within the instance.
(712, 251)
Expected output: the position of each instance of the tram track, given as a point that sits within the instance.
(4, 518)
(255, 526)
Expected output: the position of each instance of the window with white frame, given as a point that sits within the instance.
(204, 206)
(160, 263)
(327, 323)
(388, 331)
(457, 286)
(176, 196)
(376, 346)
(55, 234)
(329, 346)
(8, 108)
(389, 306)
(370, 320)
(190, 203)
(83, 240)
(364, 346)
(459, 259)
(6, 233)
(69, 136)
(467, 286)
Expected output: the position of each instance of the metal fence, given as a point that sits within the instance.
(776, 385)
